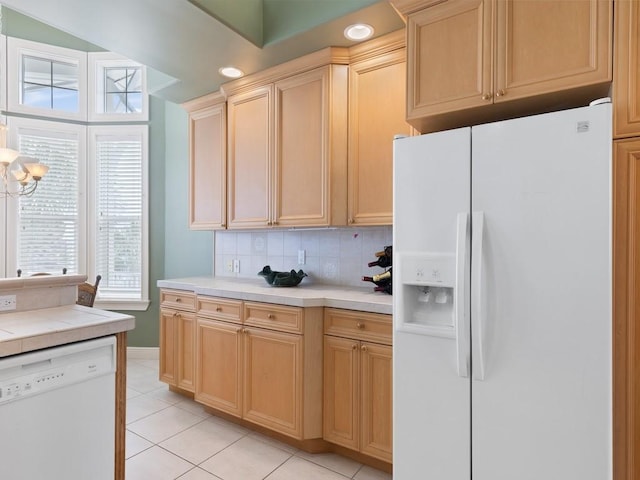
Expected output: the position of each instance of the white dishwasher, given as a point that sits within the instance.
(57, 412)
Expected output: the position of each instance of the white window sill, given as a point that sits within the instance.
(119, 305)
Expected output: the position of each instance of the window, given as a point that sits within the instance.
(49, 84)
(47, 230)
(46, 81)
(89, 213)
(119, 85)
(119, 202)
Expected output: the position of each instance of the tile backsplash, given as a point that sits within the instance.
(332, 256)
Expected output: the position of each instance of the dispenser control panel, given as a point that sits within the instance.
(429, 269)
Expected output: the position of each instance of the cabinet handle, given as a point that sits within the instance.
(269, 222)
(360, 326)
(486, 96)
(363, 348)
(218, 309)
(274, 222)
(500, 93)
(354, 347)
(270, 316)
(178, 300)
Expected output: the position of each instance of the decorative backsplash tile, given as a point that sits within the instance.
(332, 256)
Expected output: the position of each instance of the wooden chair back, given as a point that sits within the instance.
(87, 293)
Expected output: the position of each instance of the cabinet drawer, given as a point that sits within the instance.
(373, 327)
(223, 309)
(178, 299)
(276, 317)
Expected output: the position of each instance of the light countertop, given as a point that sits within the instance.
(256, 290)
(42, 328)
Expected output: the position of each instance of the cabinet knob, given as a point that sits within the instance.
(354, 347)
(269, 222)
(363, 348)
(223, 225)
(486, 96)
(178, 300)
(500, 93)
(350, 220)
(244, 330)
(238, 330)
(274, 222)
(360, 326)
(271, 316)
(218, 309)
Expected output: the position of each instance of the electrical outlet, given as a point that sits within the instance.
(7, 302)
(236, 266)
(230, 266)
(302, 257)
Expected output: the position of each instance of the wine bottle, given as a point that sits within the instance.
(388, 251)
(386, 289)
(382, 261)
(380, 280)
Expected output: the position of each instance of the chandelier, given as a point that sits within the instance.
(20, 174)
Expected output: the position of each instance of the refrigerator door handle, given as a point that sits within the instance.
(460, 295)
(477, 306)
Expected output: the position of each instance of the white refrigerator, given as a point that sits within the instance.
(502, 300)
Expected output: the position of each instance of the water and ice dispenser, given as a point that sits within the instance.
(425, 293)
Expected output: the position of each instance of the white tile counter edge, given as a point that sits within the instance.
(361, 299)
(47, 327)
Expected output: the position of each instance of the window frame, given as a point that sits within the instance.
(93, 132)
(97, 63)
(17, 49)
(15, 126)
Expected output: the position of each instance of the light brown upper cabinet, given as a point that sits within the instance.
(250, 158)
(517, 56)
(207, 162)
(377, 77)
(287, 144)
(626, 80)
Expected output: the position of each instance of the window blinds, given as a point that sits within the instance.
(49, 220)
(119, 215)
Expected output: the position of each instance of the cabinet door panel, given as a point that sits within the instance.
(219, 369)
(376, 114)
(168, 344)
(377, 405)
(449, 51)
(550, 45)
(301, 155)
(626, 81)
(185, 328)
(272, 380)
(250, 131)
(342, 391)
(208, 168)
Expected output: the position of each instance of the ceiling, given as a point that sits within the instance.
(185, 42)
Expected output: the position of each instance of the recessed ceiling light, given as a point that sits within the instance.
(358, 31)
(231, 72)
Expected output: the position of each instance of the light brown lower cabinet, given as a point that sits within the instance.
(358, 382)
(177, 338)
(268, 376)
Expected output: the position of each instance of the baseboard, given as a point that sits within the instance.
(143, 353)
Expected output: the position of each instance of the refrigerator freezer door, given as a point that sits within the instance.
(431, 400)
(543, 408)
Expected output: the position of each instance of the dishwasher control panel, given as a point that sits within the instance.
(31, 378)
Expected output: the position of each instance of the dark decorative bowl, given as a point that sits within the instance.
(282, 279)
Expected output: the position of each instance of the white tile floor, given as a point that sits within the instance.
(171, 437)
